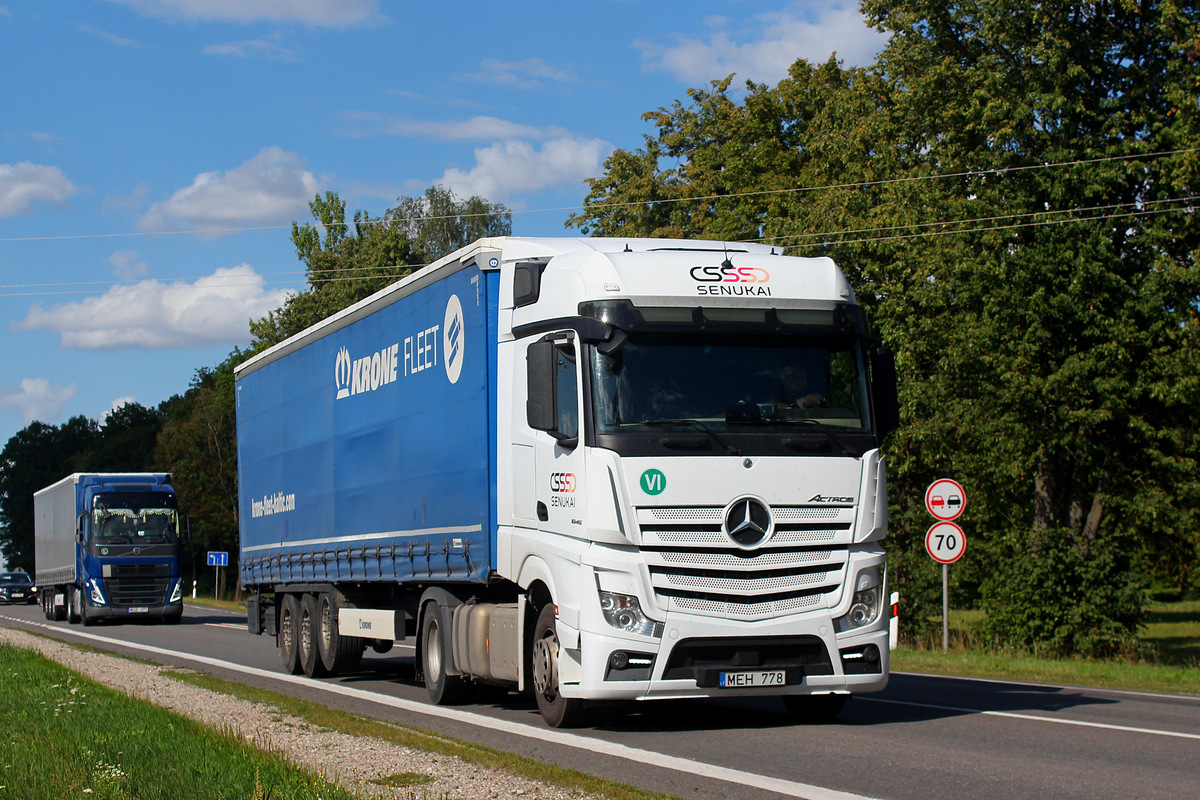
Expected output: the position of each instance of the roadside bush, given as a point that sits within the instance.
(1052, 594)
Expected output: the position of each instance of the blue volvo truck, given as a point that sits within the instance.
(591, 469)
(107, 547)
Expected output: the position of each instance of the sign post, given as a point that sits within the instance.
(216, 560)
(945, 541)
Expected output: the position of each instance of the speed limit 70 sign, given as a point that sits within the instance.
(945, 542)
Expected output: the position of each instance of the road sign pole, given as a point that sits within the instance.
(945, 608)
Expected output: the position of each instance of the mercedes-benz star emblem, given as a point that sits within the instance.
(748, 521)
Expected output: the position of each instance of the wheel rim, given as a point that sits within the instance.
(545, 666)
(433, 651)
(305, 632)
(285, 630)
(326, 627)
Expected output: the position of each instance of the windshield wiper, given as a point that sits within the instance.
(823, 428)
(695, 423)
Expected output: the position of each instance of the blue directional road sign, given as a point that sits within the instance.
(218, 558)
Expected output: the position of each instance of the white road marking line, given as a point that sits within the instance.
(766, 783)
(1034, 717)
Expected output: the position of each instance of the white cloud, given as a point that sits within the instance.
(127, 266)
(514, 167)
(23, 184)
(270, 188)
(37, 398)
(480, 128)
(532, 73)
(214, 310)
(763, 51)
(111, 38)
(315, 13)
(268, 49)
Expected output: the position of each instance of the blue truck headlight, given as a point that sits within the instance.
(95, 593)
(177, 593)
(624, 613)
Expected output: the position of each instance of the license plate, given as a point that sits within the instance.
(740, 680)
(139, 610)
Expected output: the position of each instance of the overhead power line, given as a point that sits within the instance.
(630, 203)
(891, 233)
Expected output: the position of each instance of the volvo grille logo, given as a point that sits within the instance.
(748, 522)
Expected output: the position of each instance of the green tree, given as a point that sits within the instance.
(1011, 190)
(198, 445)
(125, 441)
(35, 457)
(439, 223)
(345, 264)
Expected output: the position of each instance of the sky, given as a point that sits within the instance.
(154, 153)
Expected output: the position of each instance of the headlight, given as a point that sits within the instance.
(96, 594)
(177, 592)
(624, 613)
(865, 606)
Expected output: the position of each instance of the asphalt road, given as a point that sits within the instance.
(925, 738)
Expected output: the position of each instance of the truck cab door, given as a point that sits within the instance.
(554, 411)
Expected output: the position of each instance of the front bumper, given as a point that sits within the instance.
(693, 653)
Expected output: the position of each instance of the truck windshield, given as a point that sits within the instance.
(726, 383)
(135, 518)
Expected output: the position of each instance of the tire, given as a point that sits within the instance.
(83, 611)
(287, 636)
(74, 605)
(817, 709)
(307, 648)
(443, 689)
(47, 598)
(338, 653)
(556, 710)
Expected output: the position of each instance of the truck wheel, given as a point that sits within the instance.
(307, 636)
(74, 601)
(818, 709)
(558, 711)
(338, 653)
(286, 638)
(443, 689)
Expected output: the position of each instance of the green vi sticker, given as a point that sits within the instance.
(653, 481)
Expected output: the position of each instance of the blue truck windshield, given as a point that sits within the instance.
(135, 518)
(731, 384)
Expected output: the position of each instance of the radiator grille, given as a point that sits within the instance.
(695, 566)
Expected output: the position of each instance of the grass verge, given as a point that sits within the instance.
(1172, 633)
(355, 725)
(66, 736)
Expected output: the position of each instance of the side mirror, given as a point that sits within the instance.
(539, 407)
(542, 409)
(884, 391)
(79, 523)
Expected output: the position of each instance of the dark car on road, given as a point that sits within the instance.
(16, 587)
